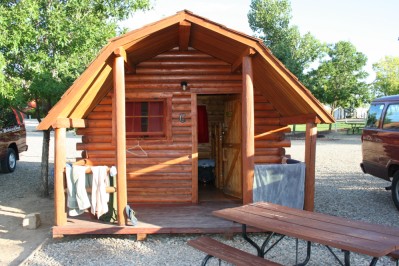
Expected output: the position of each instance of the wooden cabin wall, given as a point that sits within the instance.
(165, 176)
(270, 138)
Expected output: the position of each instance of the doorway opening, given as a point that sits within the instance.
(219, 148)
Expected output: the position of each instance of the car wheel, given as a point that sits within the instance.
(9, 164)
(395, 189)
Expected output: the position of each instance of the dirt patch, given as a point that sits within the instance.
(20, 195)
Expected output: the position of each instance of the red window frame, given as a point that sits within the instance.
(146, 119)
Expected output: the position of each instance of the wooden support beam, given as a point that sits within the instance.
(248, 129)
(310, 161)
(194, 152)
(184, 35)
(59, 164)
(119, 87)
(299, 119)
(121, 52)
(248, 52)
(69, 123)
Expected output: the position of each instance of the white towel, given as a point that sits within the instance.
(77, 199)
(99, 196)
(79, 178)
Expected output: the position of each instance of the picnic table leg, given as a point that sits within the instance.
(250, 241)
(308, 251)
(205, 260)
(373, 261)
(347, 259)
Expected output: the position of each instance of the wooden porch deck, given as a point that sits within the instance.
(159, 219)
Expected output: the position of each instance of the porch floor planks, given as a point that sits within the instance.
(158, 219)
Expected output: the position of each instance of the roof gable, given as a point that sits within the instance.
(185, 30)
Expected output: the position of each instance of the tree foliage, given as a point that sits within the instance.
(334, 73)
(49, 43)
(45, 46)
(270, 20)
(339, 79)
(387, 76)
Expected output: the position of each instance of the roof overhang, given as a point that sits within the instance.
(291, 99)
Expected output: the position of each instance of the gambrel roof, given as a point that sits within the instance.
(185, 29)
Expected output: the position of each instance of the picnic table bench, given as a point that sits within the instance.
(214, 248)
(345, 234)
(355, 124)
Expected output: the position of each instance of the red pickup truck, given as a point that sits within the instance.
(380, 142)
(12, 139)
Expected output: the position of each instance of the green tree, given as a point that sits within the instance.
(339, 80)
(387, 76)
(48, 44)
(270, 20)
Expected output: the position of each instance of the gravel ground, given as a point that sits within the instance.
(341, 190)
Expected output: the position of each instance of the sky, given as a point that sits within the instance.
(371, 25)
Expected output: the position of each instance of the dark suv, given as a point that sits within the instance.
(380, 142)
(12, 139)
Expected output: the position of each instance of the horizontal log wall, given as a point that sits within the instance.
(270, 138)
(165, 176)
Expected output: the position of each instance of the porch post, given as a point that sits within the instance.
(310, 160)
(248, 130)
(119, 88)
(59, 164)
(194, 152)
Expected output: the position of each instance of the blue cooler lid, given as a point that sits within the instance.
(206, 163)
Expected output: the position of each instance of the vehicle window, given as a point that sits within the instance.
(374, 115)
(391, 120)
(7, 118)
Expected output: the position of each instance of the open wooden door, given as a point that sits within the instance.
(232, 177)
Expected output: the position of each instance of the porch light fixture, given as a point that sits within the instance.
(183, 85)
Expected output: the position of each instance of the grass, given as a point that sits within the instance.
(321, 127)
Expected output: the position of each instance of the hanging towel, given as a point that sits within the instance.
(281, 184)
(77, 199)
(203, 133)
(99, 196)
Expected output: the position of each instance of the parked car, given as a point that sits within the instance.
(12, 139)
(380, 142)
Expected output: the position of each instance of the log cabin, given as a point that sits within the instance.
(158, 100)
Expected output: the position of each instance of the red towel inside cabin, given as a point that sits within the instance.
(203, 133)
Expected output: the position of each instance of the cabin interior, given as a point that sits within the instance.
(219, 151)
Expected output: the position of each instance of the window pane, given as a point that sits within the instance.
(155, 124)
(129, 124)
(374, 115)
(391, 120)
(144, 109)
(7, 118)
(156, 109)
(145, 119)
(144, 124)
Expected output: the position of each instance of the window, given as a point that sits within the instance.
(148, 116)
(374, 115)
(146, 119)
(391, 120)
(8, 118)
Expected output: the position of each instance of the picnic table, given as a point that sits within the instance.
(355, 124)
(341, 233)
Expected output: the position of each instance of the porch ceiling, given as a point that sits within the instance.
(184, 30)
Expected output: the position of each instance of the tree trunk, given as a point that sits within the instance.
(44, 165)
